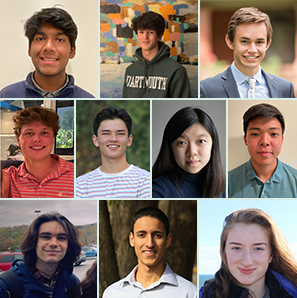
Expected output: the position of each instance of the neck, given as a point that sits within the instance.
(148, 275)
(40, 168)
(264, 172)
(50, 83)
(248, 71)
(111, 166)
(47, 269)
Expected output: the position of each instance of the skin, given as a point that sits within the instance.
(249, 47)
(51, 247)
(149, 241)
(192, 149)
(248, 253)
(36, 141)
(264, 141)
(50, 51)
(113, 140)
(148, 42)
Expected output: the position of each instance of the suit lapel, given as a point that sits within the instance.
(271, 85)
(230, 85)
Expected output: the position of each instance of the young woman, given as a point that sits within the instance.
(189, 162)
(256, 260)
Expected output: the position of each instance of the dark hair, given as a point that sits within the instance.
(262, 110)
(283, 262)
(151, 212)
(248, 15)
(89, 284)
(58, 17)
(165, 163)
(34, 114)
(112, 113)
(149, 20)
(30, 238)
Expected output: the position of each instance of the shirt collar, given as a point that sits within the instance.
(277, 175)
(240, 77)
(47, 94)
(167, 277)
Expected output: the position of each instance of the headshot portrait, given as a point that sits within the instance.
(261, 146)
(149, 49)
(188, 149)
(247, 51)
(51, 51)
(247, 248)
(146, 253)
(113, 148)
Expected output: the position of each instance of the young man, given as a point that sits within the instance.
(151, 277)
(115, 178)
(264, 175)
(52, 34)
(42, 174)
(249, 37)
(50, 247)
(154, 74)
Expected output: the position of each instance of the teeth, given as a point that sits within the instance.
(46, 59)
(36, 147)
(113, 146)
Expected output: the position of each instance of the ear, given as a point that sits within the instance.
(95, 141)
(29, 51)
(159, 37)
(268, 44)
(228, 42)
(131, 239)
(18, 141)
(244, 137)
(168, 240)
(130, 139)
(72, 52)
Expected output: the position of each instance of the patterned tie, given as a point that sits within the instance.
(251, 91)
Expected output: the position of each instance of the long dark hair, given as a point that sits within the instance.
(165, 164)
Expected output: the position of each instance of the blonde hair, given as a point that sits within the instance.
(283, 262)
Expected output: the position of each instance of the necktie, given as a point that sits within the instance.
(251, 91)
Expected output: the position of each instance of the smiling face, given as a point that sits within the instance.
(36, 141)
(52, 244)
(50, 51)
(148, 39)
(112, 139)
(249, 47)
(248, 254)
(192, 149)
(149, 241)
(264, 140)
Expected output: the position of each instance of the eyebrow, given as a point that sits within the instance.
(43, 33)
(108, 130)
(238, 243)
(201, 135)
(154, 232)
(250, 38)
(50, 234)
(258, 128)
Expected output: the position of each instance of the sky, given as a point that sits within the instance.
(19, 212)
(213, 212)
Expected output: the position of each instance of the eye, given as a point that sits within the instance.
(28, 133)
(45, 132)
(181, 143)
(60, 39)
(39, 38)
(274, 134)
(244, 41)
(254, 134)
(45, 237)
(259, 249)
(236, 248)
(201, 141)
(141, 235)
(158, 236)
(62, 238)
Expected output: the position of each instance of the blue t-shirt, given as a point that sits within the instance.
(244, 183)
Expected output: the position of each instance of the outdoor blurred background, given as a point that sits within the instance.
(88, 156)
(280, 58)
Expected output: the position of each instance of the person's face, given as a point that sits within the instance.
(113, 139)
(264, 141)
(149, 241)
(52, 243)
(192, 149)
(50, 51)
(248, 253)
(148, 39)
(36, 140)
(249, 47)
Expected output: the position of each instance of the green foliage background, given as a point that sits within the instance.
(88, 156)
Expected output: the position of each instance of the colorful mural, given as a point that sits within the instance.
(118, 41)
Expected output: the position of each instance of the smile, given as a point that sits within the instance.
(149, 252)
(113, 146)
(37, 148)
(246, 271)
(193, 162)
(265, 153)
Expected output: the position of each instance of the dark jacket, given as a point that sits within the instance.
(162, 77)
(279, 287)
(33, 288)
(26, 89)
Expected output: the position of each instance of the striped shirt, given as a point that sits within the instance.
(130, 183)
(57, 184)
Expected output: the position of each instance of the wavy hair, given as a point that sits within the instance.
(282, 262)
(214, 182)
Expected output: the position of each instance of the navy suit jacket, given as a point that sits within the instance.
(223, 85)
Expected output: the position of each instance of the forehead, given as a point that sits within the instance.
(196, 129)
(263, 123)
(148, 224)
(36, 125)
(251, 30)
(112, 125)
(247, 233)
(49, 27)
(52, 227)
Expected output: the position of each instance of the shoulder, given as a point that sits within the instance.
(186, 284)
(160, 186)
(14, 90)
(237, 171)
(138, 172)
(114, 290)
(222, 76)
(290, 171)
(89, 176)
(81, 93)
(277, 79)
(283, 282)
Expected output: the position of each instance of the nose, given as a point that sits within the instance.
(146, 35)
(113, 137)
(49, 45)
(192, 150)
(36, 138)
(149, 241)
(53, 242)
(265, 140)
(252, 47)
(247, 259)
